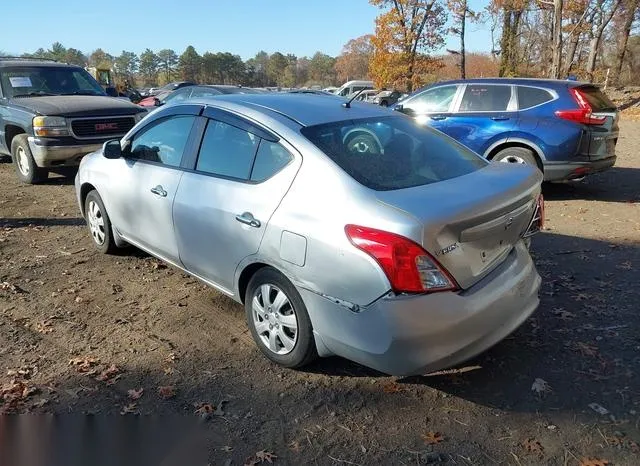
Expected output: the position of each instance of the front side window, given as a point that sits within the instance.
(33, 81)
(163, 141)
(392, 152)
(485, 98)
(227, 151)
(432, 100)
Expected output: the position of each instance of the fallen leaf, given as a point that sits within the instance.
(540, 386)
(167, 392)
(171, 357)
(586, 349)
(135, 394)
(168, 370)
(593, 462)
(533, 446)
(204, 409)
(44, 327)
(109, 375)
(131, 408)
(264, 455)
(294, 446)
(392, 387)
(625, 266)
(15, 289)
(227, 449)
(432, 438)
(84, 364)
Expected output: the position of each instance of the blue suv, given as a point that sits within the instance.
(567, 129)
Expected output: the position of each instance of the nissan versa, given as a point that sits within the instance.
(344, 229)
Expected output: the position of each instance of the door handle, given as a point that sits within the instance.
(159, 191)
(438, 117)
(500, 118)
(248, 219)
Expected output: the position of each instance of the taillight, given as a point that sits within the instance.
(409, 268)
(584, 114)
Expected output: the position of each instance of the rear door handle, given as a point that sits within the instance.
(159, 191)
(248, 219)
(438, 117)
(499, 118)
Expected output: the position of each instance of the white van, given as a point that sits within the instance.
(350, 87)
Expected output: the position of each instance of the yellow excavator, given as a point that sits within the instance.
(105, 78)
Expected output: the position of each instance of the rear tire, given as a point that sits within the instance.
(26, 169)
(519, 155)
(279, 322)
(99, 223)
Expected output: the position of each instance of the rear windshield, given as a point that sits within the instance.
(597, 99)
(392, 152)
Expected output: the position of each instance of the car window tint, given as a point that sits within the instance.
(392, 152)
(163, 141)
(597, 99)
(531, 96)
(485, 98)
(227, 151)
(270, 159)
(205, 92)
(432, 100)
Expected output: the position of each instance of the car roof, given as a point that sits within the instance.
(551, 83)
(6, 63)
(305, 109)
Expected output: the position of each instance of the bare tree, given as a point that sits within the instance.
(605, 9)
(630, 10)
(556, 67)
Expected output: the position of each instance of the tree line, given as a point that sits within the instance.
(596, 40)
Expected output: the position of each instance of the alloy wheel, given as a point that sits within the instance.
(23, 161)
(513, 159)
(96, 223)
(274, 319)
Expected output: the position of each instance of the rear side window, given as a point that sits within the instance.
(597, 99)
(485, 98)
(531, 96)
(270, 159)
(227, 151)
(392, 152)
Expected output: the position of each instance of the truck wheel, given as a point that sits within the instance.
(26, 169)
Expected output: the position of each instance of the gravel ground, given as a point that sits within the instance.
(116, 336)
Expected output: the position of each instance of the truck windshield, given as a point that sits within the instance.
(34, 81)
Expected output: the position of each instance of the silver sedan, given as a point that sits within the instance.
(343, 229)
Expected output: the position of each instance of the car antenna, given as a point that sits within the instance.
(348, 103)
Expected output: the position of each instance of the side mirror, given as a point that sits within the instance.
(111, 149)
(111, 92)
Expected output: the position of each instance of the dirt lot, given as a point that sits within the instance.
(82, 333)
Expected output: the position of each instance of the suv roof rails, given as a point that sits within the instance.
(2, 57)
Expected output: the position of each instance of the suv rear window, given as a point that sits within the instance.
(597, 99)
(531, 96)
(390, 153)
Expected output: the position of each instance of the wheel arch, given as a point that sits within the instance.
(496, 147)
(10, 132)
(245, 277)
(85, 189)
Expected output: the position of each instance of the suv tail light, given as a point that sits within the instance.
(582, 115)
(409, 268)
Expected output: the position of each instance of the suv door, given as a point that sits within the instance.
(223, 206)
(485, 113)
(432, 106)
(141, 197)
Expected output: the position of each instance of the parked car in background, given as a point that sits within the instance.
(170, 87)
(233, 190)
(567, 129)
(386, 98)
(52, 114)
(350, 87)
(198, 90)
(365, 96)
(331, 89)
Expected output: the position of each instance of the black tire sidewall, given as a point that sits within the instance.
(36, 174)
(304, 350)
(108, 246)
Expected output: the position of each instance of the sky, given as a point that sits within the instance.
(242, 27)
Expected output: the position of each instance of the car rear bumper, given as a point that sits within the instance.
(407, 335)
(59, 155)
(565, 171)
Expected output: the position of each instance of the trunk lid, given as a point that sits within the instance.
(602, 138)
(472, 222)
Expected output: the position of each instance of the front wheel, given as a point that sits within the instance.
(278, 319)
(26, 169)
(99, 223)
